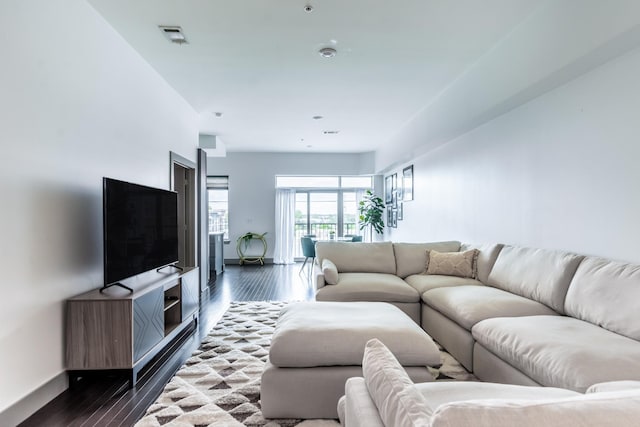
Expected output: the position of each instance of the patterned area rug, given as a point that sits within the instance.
(219, 385)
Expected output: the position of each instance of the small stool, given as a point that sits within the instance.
(317, 346)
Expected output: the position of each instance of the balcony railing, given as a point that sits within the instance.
(321, 231)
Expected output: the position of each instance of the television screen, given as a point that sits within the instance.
(140, 229)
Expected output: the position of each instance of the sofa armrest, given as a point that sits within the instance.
(319, 278)
(614, 386)
(359, 409)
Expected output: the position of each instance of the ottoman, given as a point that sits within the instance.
(317, 346)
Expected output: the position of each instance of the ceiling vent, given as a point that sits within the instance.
(173, 34)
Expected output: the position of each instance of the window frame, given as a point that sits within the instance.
(340, 190)
(222, 184)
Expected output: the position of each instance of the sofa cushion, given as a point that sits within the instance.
(560, 351)
(468, 305)
(368, 287)
(311, 334)
(438, 393)
(377, 257)
(537, 274)
(398, 401)
(460, 264)
(425, 282)
(594, 410)
(411, 258)
(606, 293)
(357, 408)
(614, 386)
(487, 255)
(330, 272)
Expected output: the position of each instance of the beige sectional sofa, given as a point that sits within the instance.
(385, 396)
(529, 317)
(383, 271)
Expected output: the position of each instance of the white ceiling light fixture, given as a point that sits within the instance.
(308, 8)
(328, 52)
(173, 33)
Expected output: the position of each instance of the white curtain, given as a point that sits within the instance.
(285, 226)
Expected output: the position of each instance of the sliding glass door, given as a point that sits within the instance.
(325, 204)
(349, 213)
(318, 213)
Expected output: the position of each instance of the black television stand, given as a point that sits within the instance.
(170, 265)
(116, 284)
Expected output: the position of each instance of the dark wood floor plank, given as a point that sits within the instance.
(104, 399)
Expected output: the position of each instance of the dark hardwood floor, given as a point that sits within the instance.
(104, 399)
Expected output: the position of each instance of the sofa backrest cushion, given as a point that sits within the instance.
(487, 255)
(411, 258)
(538, 274)
(399, 402)
(358, 257)
(591, 410)
(606, 293)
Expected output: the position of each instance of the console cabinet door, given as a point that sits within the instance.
(190, 293)
(148, 322)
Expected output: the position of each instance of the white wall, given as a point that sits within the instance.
(558, 42)
(252, 193)
(558, 172)
(77, 104)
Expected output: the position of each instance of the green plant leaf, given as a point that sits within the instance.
(371, 209)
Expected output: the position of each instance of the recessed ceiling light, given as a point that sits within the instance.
(218, 114)
(327, 52)
(308, 8)
(331, 132)
(317, 117)
(173, 33)
(309, 146)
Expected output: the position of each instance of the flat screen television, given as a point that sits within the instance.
(140, 229)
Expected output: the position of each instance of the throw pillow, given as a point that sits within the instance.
(461, 264)
(399, 403)
(330, 272)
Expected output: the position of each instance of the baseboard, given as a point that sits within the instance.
(236, 261)
(30, 404)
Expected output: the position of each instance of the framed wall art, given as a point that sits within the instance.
(407, 183)
(388, 189)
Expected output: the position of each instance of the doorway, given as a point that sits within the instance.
(183, 182)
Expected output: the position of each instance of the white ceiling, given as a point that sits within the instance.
(256, 61)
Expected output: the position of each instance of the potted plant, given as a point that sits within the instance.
(371, 210)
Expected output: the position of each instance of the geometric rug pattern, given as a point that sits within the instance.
(219, 385)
